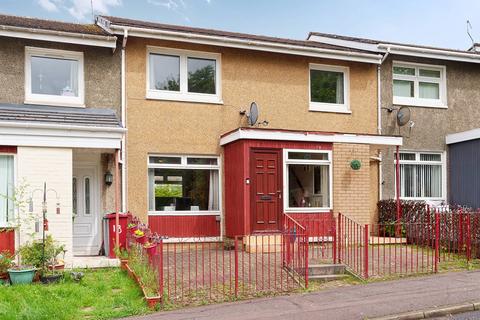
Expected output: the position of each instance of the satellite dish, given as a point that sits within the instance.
(253, 114)
(403, 116)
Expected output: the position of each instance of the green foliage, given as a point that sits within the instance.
(168, 191)
(6, 261)
(138, 262)
(171, 85)
(102, 294)
(32, 252)
(202, 80)
(323, 85)
(121, 253)
(411, 210)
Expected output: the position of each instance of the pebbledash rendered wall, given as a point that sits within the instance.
(102, 85)
(431, 124)
(278, 83)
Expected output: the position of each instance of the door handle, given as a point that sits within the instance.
(279, 192)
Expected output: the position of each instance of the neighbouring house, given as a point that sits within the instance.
(60, 102)
(440, 89)
(196, 168)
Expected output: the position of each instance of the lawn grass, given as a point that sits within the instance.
(102, 294)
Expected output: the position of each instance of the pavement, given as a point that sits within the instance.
(353, 302)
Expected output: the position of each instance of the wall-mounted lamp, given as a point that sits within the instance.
(108, 178)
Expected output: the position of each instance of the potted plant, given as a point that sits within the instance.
(132, 227)
(151, 248)
(22, 274)
(121, 254)
(140, 236)
(44, 257)
(6, 262)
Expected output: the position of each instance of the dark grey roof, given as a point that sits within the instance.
(35, 23)
(376, 42)
(90, 117)
(227, 34)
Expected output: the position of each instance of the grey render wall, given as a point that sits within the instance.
(464, 168)
(101, 68)
(431, 124)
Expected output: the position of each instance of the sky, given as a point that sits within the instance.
(441, 23)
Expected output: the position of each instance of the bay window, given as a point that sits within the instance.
(188, 184)
(308, 180)
(53, 77)
(6, 189)
(421, 175)
(419, 85)
(183, 75)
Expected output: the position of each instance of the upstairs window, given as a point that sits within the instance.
(53, 77)
(419, 85)
(183, 75)
(329, 88)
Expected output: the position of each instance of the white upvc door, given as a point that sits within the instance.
(86, 210)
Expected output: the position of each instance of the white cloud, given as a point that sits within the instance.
(82, 9)
(48, 5)
(177, 6)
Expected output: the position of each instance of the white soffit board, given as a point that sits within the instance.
(310, 137)
(463, 136)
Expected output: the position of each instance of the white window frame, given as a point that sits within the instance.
(11, 224)
(54, 100)
(330, 107)
(183, 165)
(287, 161)
(417, 161)
(183, 94)
(416, 100)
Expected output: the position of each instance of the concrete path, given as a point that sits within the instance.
(354, 302)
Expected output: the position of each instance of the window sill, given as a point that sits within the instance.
(308, 210)
(184, 213)
(332, 108)
(419, 103)
(184, 97)
(54, 103)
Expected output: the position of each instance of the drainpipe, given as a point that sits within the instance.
(379, 121)
(124, 123)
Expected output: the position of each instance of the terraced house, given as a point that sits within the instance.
(437, 89)
(199, 163)
(60, 103)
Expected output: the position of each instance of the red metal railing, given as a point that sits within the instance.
(196, 271)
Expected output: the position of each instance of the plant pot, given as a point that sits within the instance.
(21, 276)
(123, 264)
(51, 278)
(151, 250)
(151, 301)
(132, 229)
(60, 266)
(141, 239)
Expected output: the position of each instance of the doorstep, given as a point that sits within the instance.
(93, 262)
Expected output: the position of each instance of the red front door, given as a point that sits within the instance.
(266, 190)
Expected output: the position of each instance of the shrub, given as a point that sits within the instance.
(411, 210)
(32, 252)
(6, 261)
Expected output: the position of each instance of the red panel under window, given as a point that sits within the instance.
(8, 149)
(7, 240)
(185, 226)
